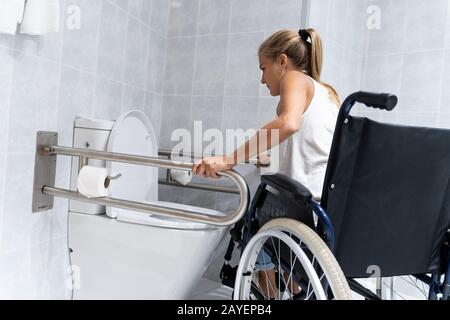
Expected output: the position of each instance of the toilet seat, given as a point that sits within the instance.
(133, 133)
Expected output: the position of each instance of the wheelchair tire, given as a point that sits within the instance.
(315, 260)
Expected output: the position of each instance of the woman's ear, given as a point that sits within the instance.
(283, 60)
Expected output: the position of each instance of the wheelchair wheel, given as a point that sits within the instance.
(304, 268)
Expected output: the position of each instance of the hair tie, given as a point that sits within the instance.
(304, 34)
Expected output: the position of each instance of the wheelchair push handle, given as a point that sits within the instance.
(384, 101)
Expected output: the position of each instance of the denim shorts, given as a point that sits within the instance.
(263, 261)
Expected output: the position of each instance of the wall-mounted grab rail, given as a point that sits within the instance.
(44, 190)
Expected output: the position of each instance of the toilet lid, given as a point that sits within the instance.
(133, 133)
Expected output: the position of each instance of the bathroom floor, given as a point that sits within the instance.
(211, 290)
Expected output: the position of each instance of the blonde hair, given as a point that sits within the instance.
(306, 56)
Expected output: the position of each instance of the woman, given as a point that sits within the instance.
(291, 63)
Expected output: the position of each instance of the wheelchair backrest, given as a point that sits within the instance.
(388, 195)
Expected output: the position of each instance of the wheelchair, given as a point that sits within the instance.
(385, 207)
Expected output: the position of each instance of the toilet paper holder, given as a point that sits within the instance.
(44, 189)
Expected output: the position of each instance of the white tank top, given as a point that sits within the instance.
(304, 155)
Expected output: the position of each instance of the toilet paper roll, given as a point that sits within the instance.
(93, 182)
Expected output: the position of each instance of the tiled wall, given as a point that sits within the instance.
(341, 25)
(410, 56)
(115, 62)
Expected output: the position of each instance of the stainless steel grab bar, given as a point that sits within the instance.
(44, 179)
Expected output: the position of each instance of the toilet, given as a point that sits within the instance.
(123, 254)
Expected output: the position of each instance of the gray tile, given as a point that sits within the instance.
(47, 46)
(444, 120)
(421, 81)
(208, 110)
(6, 72)
(391, 37)
(419, 119)
(210, 62)
(135, 8)
(247, 16)
(423, 20)
(155, 62)
(175, 115)
(146, 11)
(107, 100)
(122, 4)
(6, 40)
(267, 110)
(133, 99)
(136, 53)
(80, 46)
(283, 14)
(153, 106)
(205, 124)
(337, 21)
(34, 100)
(214, 16)
(179, 70)
(356, 32)
(383, 73)
(113, 31)
(445, 100)
(17, 201)
(183, 18)
(318, 17)
(240, 113)
(243, 74)
(76, 98)
(160, 17)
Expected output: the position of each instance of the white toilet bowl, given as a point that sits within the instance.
(122, 254)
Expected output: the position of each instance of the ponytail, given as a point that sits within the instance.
(316, 61)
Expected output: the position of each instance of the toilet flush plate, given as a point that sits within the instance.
(44, 171)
